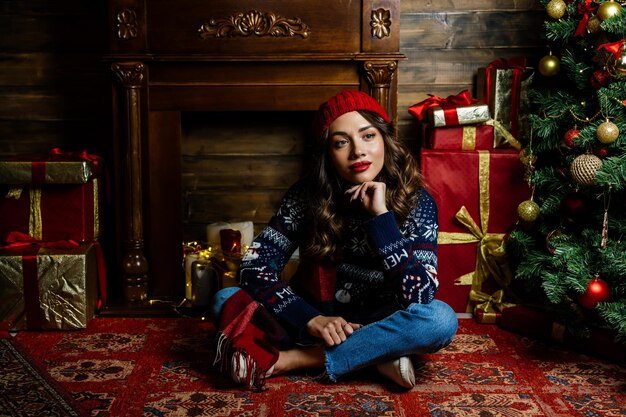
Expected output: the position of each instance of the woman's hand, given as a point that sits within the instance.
(333, 330)
(371, 195)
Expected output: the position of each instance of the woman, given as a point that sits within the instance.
(367, 232)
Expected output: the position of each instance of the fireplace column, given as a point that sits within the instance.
(134, 266)
(380, 75)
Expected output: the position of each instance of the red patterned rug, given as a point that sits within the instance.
(162, 367)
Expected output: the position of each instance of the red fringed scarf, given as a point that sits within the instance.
(246, 327)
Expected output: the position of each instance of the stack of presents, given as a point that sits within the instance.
(470, 159)
(52, 271)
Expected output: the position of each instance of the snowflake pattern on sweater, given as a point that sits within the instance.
(378, 258)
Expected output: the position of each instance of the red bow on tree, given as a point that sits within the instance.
(614, 48)
(584, 9)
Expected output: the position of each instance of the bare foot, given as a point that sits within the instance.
(290, 360)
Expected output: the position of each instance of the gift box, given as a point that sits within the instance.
(477, 194)
(453, 110)
(54, 212)
(56, 197)
(504, 86)
(52, 285)
(57, 167)
(466, 138)
(542, 325)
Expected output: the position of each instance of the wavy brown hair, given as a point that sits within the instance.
(326, 188)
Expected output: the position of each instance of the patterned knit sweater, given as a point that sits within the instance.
(382, 265)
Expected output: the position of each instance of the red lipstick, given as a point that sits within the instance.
(360, 166)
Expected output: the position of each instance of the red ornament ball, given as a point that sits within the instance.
(569, 139)
(601, 152)
(597, 291)
(574, 210)
(600, 78)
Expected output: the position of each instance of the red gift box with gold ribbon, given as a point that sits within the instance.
(53, 198)
(477, 194)
(466, 138)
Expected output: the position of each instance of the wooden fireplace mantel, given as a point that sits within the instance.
(194, 55)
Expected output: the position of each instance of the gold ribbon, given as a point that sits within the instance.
(488, 304)
(35, 228)
(490, 255)
(35, 222)
(469, 138)
(508, 137)
(96, 209)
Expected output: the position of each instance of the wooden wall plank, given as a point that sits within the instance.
(47, 69)
(473, 29)
(407, 6)
(68, 26)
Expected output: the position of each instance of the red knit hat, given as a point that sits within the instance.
(344, 102)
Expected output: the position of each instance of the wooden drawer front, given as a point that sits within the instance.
(263, 28)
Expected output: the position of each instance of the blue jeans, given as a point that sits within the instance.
(420, 328)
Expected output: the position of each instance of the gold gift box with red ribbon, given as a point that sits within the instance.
(477, 194)
(53, 198)
(52, 285)
(503, 85)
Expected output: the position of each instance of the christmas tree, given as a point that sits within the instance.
(569, 249)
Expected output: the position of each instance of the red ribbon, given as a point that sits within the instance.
(29, 248)
(38, 166)
(585, 9)
(614, 48)
(517, 66)
(58, 154)
(448, 104)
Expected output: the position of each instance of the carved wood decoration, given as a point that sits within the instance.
(163, 70)
(381, 23)
(380, 76)
(127, 24)
(256, 23)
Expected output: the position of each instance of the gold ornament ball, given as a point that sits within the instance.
(608, 9)
(528, 211)
(593, 25)
(549, 65)
(527, 158)
(620, 64)
(584, 168)
(554, 234)
(607, 132)
(556, 9)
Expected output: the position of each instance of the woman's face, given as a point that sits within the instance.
(356, 148)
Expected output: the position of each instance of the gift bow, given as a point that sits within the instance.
(585, 9)
(490, 256)
(488, 304)
(508, 137)
(58, 154)
(614, 48)
(448, 104)
(17, 239)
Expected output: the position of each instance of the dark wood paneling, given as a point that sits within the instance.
(176, 29)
